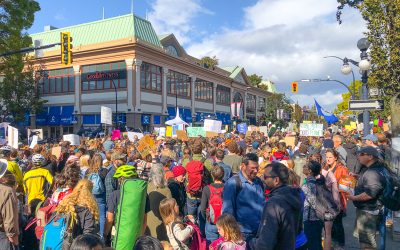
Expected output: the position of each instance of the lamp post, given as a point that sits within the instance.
(116, 103)
(331, 80)
(346, 69)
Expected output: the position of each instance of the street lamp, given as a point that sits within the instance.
(330, 80)
(116, 103)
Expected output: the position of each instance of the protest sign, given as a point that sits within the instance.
(385, 127)
(290, 141)
(56, 151)
(311, 129)
(162, 132)
(264, 129)
(181, 134)
(106, 115)
(38, 132)
(168, 131)
(212, 125)
(145, 145)
(242, 128)
(253, 128)
(347, 127)
(353, 125)
(211, 134)
(34, 141)
(73, 139)
(131, 136)
(12, 137)
(116, 135)
(195, 131)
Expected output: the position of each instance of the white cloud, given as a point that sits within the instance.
(59, 17)
(286, 40)
(175, 16)
(327, 100)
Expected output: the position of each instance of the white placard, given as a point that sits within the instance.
(34, 141)
(12, 137)
(131, 135)
(106, 115)
(212, 125)
(311, 129)
(73, 139)
(162, 131)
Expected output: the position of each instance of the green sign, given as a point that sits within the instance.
(195, 131)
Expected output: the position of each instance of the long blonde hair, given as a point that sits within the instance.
(167, 210)
(80, 196)
(231, 228)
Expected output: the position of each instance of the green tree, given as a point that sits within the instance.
(209, 62)
(17, 84)
(297, 114)
(274, 103)
(383, 22)
(343, 107)
(255, 79)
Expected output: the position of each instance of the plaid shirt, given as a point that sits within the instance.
(143, 169)
(110, 182)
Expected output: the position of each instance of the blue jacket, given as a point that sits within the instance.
(246, 205)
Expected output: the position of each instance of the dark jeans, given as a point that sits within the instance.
(313, 231)
(248, 237)
(193, 207)
(338, 237)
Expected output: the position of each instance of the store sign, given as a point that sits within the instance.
(104, 75)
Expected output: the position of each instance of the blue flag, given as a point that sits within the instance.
(330, 119)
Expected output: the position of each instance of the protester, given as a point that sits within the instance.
(111, 184)
(177, 188)
(219, 161)
(232, 158)
(147, 243)
(12, 166)
(337, 145)
(87, 242)
(238, 189)
(231, 237)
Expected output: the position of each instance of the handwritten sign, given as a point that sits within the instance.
(145, 145)
(131, 136)
(181, 134)
(212, 125)
(106, 115)
(242, 128)
(73, 139)
(211, 134)
(56, 151)
(311, 129)
(290, 141)
(116, 135)
(12, 137)
(195, 131)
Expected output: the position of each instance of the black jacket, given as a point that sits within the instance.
(351, 160)
(179, 194)
(281, 220)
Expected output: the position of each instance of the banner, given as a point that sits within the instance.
(311, 129)
(145, 145)
(195, 132)
(73, 139)
(212, 125)
(242, 128)
(106, 115)
(181, 134)
(12, 134)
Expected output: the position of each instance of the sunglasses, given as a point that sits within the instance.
(362, 154)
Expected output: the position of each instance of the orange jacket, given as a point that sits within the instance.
(340, 171)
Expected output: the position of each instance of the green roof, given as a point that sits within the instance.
(235, 71)
(105, 30)
(161, 37)
(271, 86)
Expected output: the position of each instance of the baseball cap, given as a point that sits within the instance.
(118, 156)
(371, 137)
(178, 170)
(3, 167)
(369, 151)
(160, 138)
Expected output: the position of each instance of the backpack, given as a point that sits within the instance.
(391, 193)
(98, 185)
(195, 170)
(198, 242)
(214, 209)
(58, 230)
(326, 208)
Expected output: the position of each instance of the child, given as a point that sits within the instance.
(179, 233)
(231, 237)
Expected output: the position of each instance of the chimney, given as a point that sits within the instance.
(49, 27)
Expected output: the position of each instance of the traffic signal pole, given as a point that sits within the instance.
(29, 49)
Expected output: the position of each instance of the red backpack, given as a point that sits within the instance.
(214, 204)
(195, 183)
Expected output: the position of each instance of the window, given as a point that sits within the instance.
(150, 77)
(223, 95)
(178, 82)
(261, 104)
(57, 81)
(204, 90)
(104, 84)
(251, 102)
(172, 51)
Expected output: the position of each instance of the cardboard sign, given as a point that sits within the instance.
(290, 141)
(131, 136)
(106, 115)
(181, 134)
(34, 141)
(12, 134)
(73, 139)
(56, 151)
(242, 128)
(116, 135)
(311, 129)
(385, 127)
(212, 125)
(145, 145)
(195, 132)
(211, 134)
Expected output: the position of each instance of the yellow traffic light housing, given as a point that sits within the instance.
(295, 87)
(66, 46)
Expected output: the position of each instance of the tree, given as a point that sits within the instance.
(209, 62)
(343, 107)
(274, 103)
(255, 80)
(18, 83)
(383, 23)
(297, 114)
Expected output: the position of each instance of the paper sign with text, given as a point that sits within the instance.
(311, 129)
(195, 131)
(145, 145)
(73, 139)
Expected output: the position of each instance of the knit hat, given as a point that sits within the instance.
(178, 170)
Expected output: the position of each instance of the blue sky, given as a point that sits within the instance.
(282, 40)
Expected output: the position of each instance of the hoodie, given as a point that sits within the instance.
(281, 221)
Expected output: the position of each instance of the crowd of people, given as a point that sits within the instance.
(234, 191)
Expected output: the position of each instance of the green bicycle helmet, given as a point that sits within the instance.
(126, 171)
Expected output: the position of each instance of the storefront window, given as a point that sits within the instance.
(178, 82)
(57, 81)
(102, 76)
(150, 77)
(204, 90)
(223, 95)
(251, 102)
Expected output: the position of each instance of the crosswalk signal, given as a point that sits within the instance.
(295, 86)
(66, 46)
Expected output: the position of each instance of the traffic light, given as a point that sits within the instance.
(295, 86)
(66, 46)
